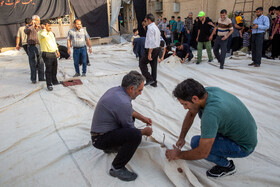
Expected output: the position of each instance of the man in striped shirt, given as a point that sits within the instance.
(225, 29)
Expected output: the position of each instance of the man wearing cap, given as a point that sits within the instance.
(225, 29)
(204, 36)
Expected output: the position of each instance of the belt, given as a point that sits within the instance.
(96, 134)
(79, 47)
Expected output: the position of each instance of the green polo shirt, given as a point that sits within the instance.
(225, 114)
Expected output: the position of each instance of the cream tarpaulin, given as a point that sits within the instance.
(45, 139)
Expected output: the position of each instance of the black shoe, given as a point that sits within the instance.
(123, 174)
(253, 63)
(221, 67)
(197, 62)
(83, 75)
(50, 88)
(210, 60)
(257, 65)
(77, 75)
(219, 171)
(149, 83)
(33, 82)
(154, 85)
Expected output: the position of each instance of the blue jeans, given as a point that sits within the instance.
(77, 52)
(222, 149)
(36, 62)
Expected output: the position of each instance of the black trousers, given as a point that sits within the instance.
(143, 64)
(220, 44)
(257, 44)
(51, 68)
(236, 43)
(128, 139)
(275, 46)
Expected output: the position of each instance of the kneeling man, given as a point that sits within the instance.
(113, 127)
(227, 127)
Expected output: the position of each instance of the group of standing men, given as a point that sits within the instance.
(40, 45)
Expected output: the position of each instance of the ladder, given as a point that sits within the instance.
(250, 12)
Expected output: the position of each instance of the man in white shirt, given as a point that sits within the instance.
(152, 50)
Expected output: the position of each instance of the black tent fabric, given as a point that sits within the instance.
(14, 12)
(94, 16)
(140, 7)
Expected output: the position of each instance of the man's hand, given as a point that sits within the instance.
(17, 47)
(173, 154)
(69, 51)
(57, 54)
(180, 143)
(148, 121)
(255, 26)
(210, 38)
(224, 38)
(150, 57)
(147, 131)
(90, 50)
(271, 38)
(188, 31)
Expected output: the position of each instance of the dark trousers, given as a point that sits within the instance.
(128, 139)
(257, 44)
(144, 62)
(236, 43)
(220, 44)
(25, 47)
(182, 55)
(36, 62)
(275, 46)
(266, 45)
(51, 68)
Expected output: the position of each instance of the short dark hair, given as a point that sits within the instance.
(259, 8)
(133, 78)
(246, 29)
(168, 26)
(27, 20)
(164, 18)
(189, 88)
(134, 30)
(224, 11)
(277, 8)
(77, 20)
(172, 16)
(179, 17)
(178, 44)
(150, 17)
(168, 48)
(271, 8)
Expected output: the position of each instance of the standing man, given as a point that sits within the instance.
(204, 36)
(50, 53)
(227, 127)
(236, 41)
(173, 26)
(225, 29)
(22, 37)
(275, 36)
(152, 50)
(260, 25)
(180, 26)
(189, 28)
(162, 27)
(113, 128)
(79, 38)
(34, 50)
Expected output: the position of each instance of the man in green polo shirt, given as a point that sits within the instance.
(227, 127)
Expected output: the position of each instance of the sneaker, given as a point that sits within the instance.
(83, 75)
(123, 174)
(149, 83)
(77, 75)
(88, 64)
(219, 171)
(50, 88)
(154, 85)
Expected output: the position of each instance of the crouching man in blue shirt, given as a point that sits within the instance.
(113, 127)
